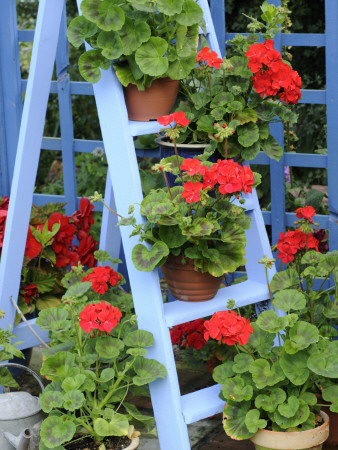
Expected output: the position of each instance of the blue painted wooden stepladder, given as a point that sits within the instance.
(172, 411)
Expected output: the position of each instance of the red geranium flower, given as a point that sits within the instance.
(228, 327)
(86, 248)
(192, 191)
(193, 166)
(180, 119)
(291, 242)
(196, 340)
(306, 213)
(99, 278)
(33, 247)
(29, 293)
(165, 120)
(210, 57)
(83, 218)
(100, 316)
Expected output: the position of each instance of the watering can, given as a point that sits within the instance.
(20, 417)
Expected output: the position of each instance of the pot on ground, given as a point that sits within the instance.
(293, 440)
(155, 101)
(86, 445)
(187, 283)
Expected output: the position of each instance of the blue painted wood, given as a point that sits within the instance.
(66, 118)
(30, 136)
(217, 9)
(4, 175)
(294, 39)
(10, 81)
(331, 19)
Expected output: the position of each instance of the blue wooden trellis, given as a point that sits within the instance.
(153, 315)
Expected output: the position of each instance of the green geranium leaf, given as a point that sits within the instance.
(118, 426)
(105, 14)
(90, 64)
(324, 359)
(270, 322)
(6, 378)
(236, 389)
(170, 8)
(263, 375)
(52, 319)
(312, 257)
(206, 123)
(146, 260)
(50, 400)
(187, 41)
(330, 394)
(56, 430)
(269, 402)
(144, 5)
(107, 375)
(147, 370)
(248, 134)
(222, 372)
(263, 130)
(137, 351)
(300, 417)
(271, 148)
(309, 398)
(295, 367)
(108, 347)
(181, 68)
(231, 256)
(284, 279)
(172, 236)
(150, 57)
(234, 423)
(72, 383)
(73, 400)
(139, 339)
(301, 335)
(80, 29)
(221, 99)
(78, 289)
(133, 34)
(200, 227)
(261, 341)
(253, 421)
(331, 311)
(242, 363)
(289, 299)
(191, 13)
(246, 116)
(59, 366)
(200, 99)
(289, 408)
(150, 201)
(251, 152)
(111, 44)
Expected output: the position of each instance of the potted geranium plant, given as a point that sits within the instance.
(231, 102)
(97, 356)
(306, 281)
(196, 229)
(148, 41)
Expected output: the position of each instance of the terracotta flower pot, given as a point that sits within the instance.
(187, 283)
(292, 440)
(153, 102)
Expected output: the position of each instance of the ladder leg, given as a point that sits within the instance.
(32, 125)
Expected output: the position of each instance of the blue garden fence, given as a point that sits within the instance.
(12, 87)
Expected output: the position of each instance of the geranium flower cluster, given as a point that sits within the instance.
(228, 327)
(100, 277)
(177, 117)
(306, 213)
(209, 57)
(99, 316)
(189, 334)
(227, 176)
(272, 76)
(291, 242)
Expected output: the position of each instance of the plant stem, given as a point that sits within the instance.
(111, 210)
(247, 351)
(167, 183)
(226, 149)
(209, 84)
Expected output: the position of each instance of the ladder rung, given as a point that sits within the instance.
(243, 293)
(202, 404)
(23, 333)
(141, 128)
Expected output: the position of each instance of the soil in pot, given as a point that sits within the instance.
(187, 283)
(155, 101)
(112, 443)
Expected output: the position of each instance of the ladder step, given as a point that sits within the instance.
(243, 293)
(24, 334)
(141, 128)
(202, 404)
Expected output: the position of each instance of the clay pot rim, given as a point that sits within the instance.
(164, 143)
(324, 428)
